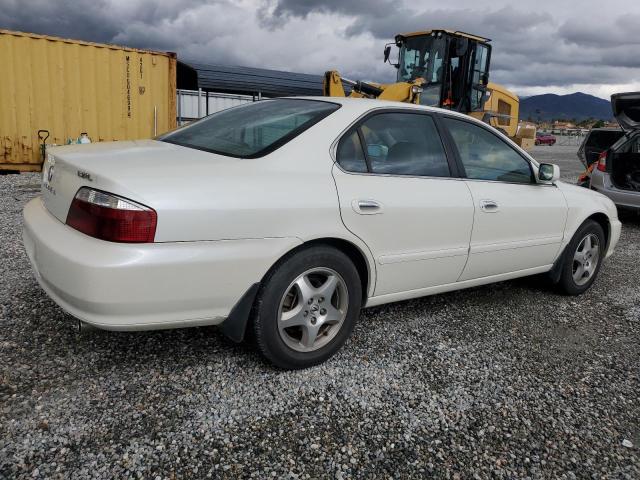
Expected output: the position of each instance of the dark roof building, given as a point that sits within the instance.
(246, 80)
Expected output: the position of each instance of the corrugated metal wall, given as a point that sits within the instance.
(69, 87)
(188, 103)
(246, 80)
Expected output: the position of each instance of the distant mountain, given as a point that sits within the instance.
(556, 107)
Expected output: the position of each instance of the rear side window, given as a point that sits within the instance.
(485, 156)
(395, 144)
(251, 130)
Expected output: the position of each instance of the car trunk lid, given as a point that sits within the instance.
(626, 109)
(130, 169)
(60, 183)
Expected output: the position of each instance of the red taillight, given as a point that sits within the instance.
(112, 218)
(602, 161)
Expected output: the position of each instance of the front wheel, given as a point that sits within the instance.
(307, 307)
(582, 259)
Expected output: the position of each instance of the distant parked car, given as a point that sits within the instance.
(597, 141)
(617, 173)
(545, 139)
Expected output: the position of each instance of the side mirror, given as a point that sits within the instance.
(548, 173)
(387, 52)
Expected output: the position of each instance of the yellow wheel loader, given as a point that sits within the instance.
(446, 69)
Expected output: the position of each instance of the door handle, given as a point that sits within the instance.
(366, 207)
(489, 206)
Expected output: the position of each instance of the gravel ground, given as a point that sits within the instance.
(509, 380)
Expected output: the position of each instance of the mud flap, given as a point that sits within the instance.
(556, 271)
(235, 326)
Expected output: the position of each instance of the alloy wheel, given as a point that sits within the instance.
(585, 259)
(313, 309)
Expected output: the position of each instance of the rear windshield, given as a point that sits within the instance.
(251, 130)
(603, 139)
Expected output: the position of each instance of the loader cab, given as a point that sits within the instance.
(453, 66)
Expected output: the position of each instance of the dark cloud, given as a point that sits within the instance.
(93, 20)
(60, 18)
(549, 44)
(592, 32)
(489, 23)
(302, 8)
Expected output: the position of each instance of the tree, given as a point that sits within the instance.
(586, 123)
(598, 124)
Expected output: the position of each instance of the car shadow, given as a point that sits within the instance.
(48, 332)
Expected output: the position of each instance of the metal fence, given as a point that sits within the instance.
(571, 138)
(194, 104)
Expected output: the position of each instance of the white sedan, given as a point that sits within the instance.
(287, 216)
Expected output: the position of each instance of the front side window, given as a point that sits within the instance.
(422, 57)
(485, 156)
(251, 130)
(395, 144)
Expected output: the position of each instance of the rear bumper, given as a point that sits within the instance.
(118, 286)
(601, 182)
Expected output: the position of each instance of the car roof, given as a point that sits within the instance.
(362, 105)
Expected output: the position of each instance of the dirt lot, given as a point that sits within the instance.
(509, 380)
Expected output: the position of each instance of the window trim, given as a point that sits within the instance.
(454, 172)
(271, 148)
(488, 128)
(365, 153)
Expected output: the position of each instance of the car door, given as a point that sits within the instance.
(398, 193)
(518, 223)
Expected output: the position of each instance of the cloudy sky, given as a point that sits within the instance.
(557, 46)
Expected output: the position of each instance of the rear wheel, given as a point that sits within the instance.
(307, 307)
(582, 259)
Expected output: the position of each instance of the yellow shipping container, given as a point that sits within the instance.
(68, 87)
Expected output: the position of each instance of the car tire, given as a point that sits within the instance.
(537, 142)
(582, 259)
(317, 291)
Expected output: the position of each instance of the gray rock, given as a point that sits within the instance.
(507, 381)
